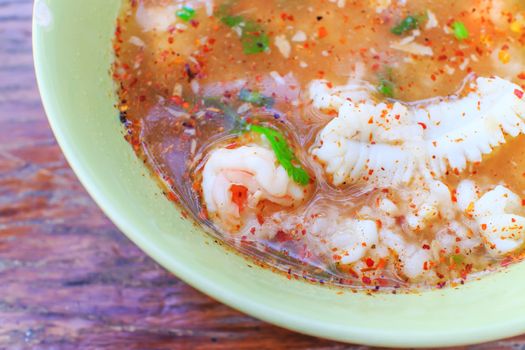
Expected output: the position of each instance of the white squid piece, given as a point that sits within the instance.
(468, 239)
(427, 203)
(251, 173)
(422, 206)
(387, 145)
(344, 240)
(369, 143)
(498, 217)
(325, 97)
(353, 238)
(411, 258)
(462, 130)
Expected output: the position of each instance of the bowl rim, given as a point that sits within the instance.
(240, 302)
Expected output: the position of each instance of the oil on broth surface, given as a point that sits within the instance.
(239, 106)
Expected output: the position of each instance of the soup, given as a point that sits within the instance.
(372, 144)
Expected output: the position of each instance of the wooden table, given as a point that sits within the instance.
(68, 278)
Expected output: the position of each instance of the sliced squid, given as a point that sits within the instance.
(235, 181)
(426, 203)
(344, 239)
(326, 97)
(387, 145)
(409, 259)
(467, 193)
(461, 130)
(412, 261)
(369, 143)
(468, 239)
(353, 239)
(421, 204)
(498, 216)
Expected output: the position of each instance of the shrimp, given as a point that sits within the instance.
(236, 181)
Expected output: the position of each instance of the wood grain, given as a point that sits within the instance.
(68, 278)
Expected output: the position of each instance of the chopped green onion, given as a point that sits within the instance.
(406, 25)
(458, 258)
(255, 43)
(283, 153)
(256, 98)
(253, 38)
(460, 31)
(186, 13)
(232, 21)
(386, 88)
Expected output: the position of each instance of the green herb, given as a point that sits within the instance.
(406, 25)
(253, 38)
(386, 88)
(231, 117)
(186, 13)
(232, 21)
(256, 98)
(458, 258)
(460, 31)
(284, 154)
(255, 43)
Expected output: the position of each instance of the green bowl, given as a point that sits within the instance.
(72, 50)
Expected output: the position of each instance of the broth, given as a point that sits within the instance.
(258, 97)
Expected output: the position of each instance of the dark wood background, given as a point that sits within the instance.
(68, 278)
